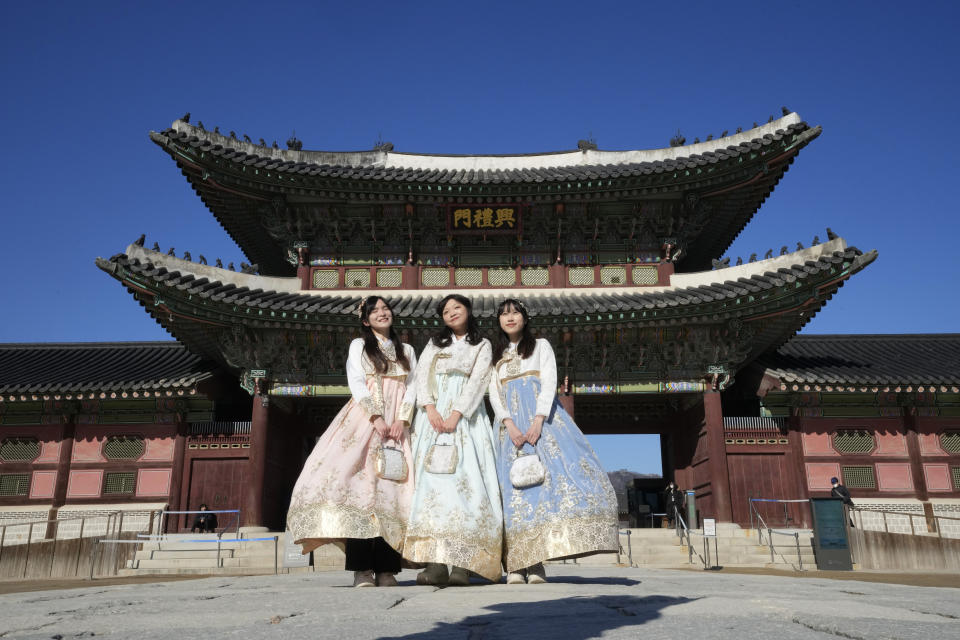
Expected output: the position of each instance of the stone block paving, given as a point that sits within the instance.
(579, 602)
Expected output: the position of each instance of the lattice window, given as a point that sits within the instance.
(435, 277)
(853, 441)
(389, 278)
(645, 275)
(534, 277)
(19, 449)
(325, 279)
(468, 277)
(502, 277)
(580, 276)
(119, 482)
(613, 275)
(14, 484)
(950, 441)
(956, 477)
(859, 477)
(357, 278)
(123, 448)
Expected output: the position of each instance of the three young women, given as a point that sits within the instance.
(573, 512)
(339, 497)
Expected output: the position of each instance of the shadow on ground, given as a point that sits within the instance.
(575, 617)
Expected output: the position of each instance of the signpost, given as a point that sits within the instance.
(710, 531)
(830, 542)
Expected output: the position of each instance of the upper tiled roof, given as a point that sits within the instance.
(81, 367)
(389, 166)
(890, 359)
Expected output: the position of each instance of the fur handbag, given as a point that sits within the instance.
(527, 470)
(390, 463)
(443, 455)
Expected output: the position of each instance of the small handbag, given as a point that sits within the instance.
(390, 463)
(443, 456)
(527, 470)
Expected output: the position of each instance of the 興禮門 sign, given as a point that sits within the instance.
(484, 219)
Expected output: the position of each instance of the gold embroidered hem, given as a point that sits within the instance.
(315, 525)
(371, 406)
(525, 546)
(471, 552)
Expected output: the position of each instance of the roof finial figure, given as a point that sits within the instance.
(275, 145)
(219, 263)
(200, 125)
(233, 134)
(216, 129)
(292, 143)
(187, 256)
(724, 134)
(770, 119)
(156, 246)
(249, 268)
(171, 253)
(263, 142)
(739, 129)
(721, 264)
(139, 241)
(816, 241)
(739, 261)
(246, 138)
(678, 140)
(799, 246)
(709, 137)
(753, 257)
(696, 141)
(785, 111)
(755, 125)
(186, 117)
(831, 235)
(587, 145)
(783, 250)
(230, 266)
(768, 254)
(201, 259)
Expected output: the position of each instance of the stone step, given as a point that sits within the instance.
(176, 554)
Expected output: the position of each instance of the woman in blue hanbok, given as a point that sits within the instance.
(573, 512)
(456, 517)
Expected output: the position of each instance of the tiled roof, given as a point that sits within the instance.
(241, 291)
(890, 359)
(377, 165)
(82, 367)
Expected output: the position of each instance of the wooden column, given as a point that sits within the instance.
(176, 478)
(257, 463)
(717, 450)
(63, 471)
(916, 465)
(796, 464)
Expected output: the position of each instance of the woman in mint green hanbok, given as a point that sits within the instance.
(456, 517)
(573, 512)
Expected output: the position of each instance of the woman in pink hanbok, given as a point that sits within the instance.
(339, 497)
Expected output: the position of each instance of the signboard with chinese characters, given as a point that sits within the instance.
(484, 219)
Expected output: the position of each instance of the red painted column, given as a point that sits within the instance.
(796, 463)
(176, 478)
(257, 464)
(717, 450)
(63, 471)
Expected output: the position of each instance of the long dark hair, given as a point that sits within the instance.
(444, 336)
(371, 346)
(527, 342)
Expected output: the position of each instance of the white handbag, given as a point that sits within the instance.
(390, 463)
(527, 470)
(443, 456)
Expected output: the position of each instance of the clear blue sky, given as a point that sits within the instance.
(83, 83)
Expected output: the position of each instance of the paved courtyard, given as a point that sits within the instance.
(580, 602)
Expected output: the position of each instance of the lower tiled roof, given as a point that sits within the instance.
(83, 367)
(888, 359)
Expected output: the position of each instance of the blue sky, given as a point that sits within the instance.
(83, 83)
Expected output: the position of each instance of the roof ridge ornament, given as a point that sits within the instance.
(293, 144)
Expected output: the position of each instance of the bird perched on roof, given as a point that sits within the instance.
(219, 263)
(187, 256)
(753, 257)
(783, 250)
(799, 246)
(768, 254)
(171, 253)
(186, 117)
(201, 259)
(139, 241)
(831, 235)
(156, 246)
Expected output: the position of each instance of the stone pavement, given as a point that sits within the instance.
(580, 602)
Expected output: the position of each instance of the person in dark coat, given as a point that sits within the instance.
(672, 501)
(841, 491)
(204, 522)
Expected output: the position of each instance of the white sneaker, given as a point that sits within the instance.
(363, 579)
(536, 574)
(516, 577)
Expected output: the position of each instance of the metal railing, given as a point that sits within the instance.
(234, 522)
(684, 533)
(757, 522)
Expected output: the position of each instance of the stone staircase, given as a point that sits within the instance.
(181, 554)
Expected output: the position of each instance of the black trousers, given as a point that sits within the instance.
(371, 554)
